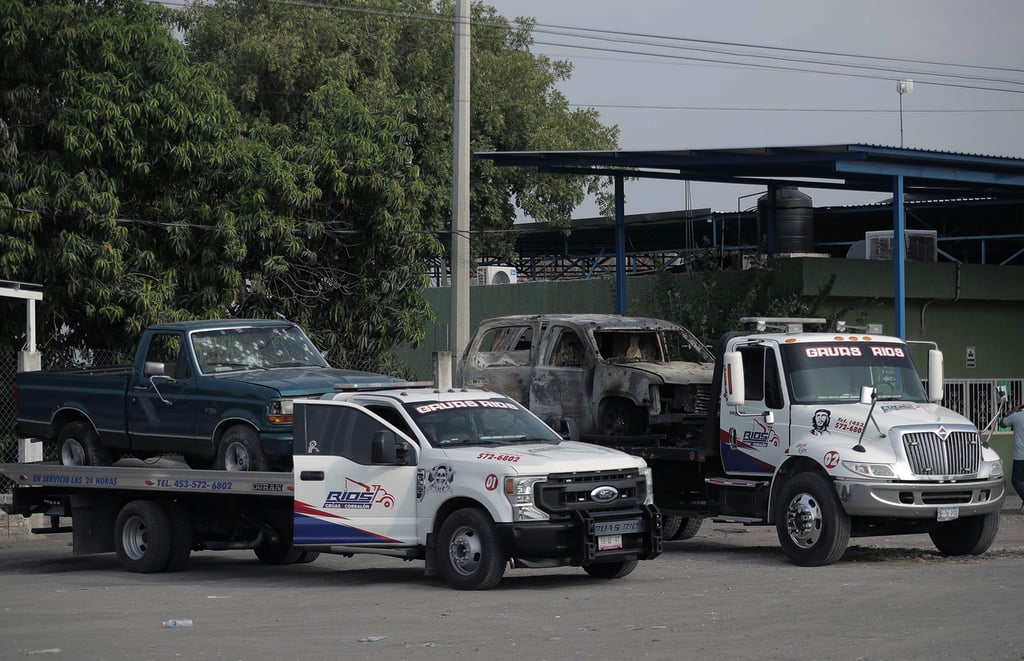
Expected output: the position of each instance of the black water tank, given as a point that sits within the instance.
(794, 219)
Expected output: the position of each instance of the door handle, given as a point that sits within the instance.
(312, 476)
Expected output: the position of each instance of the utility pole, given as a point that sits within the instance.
(459, 322)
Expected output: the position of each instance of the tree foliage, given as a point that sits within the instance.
(711, 302)
(280, 159)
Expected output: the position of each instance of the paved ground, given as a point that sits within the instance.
(729, 593)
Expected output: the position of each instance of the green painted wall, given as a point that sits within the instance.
(956, 306)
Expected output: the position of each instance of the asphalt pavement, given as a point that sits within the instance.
(729, 593)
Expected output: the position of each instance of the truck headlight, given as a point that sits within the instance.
(648, 476)
(995, 468)
(281, 411)
(870, 470)
(519, 491)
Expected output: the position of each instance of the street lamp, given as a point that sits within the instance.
(903, 87)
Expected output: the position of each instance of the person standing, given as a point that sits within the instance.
(1015, 421)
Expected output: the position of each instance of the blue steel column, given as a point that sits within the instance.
(620, 246)
(899, 253)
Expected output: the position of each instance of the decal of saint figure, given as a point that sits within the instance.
(440, 478)
(820, 422)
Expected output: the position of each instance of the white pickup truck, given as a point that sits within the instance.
(467, 480)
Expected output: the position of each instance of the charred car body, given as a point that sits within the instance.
(612, 375)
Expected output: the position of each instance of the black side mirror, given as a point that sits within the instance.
(384, 447)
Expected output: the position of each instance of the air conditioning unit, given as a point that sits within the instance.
(496, 275)
(921, 245)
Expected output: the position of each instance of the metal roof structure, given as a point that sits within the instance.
(856, 167)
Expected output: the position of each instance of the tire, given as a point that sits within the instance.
(307, 557)
(617, 417)
(181, 536)
(812, 526)
(278, 554)
(79, 446)
(971, 535)
(677, 527)
(469, 555)
(143, 537)
(611, 569)
(240, 450)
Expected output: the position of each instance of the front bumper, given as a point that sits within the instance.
(573, 541)
(919, 500)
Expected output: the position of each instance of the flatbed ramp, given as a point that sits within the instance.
(54, 477)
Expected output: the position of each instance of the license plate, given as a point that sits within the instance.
(948, 513)
(620, 527)
(609, 542)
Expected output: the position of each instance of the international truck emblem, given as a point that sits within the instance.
(604, 494)
(942, 433)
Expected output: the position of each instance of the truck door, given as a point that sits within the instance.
(161, 415)
(344, 494)
(561, 387)
(750, 444)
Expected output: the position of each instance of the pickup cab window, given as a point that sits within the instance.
(341, 431)
(505, 346)
(565, 349)
(165, 356)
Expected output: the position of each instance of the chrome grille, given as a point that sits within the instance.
(959, 454)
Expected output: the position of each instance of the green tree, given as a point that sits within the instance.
(276, 55)
(108, 132)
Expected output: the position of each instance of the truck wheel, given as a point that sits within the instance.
(79, 446)
(240, 450)
(307, 557)
(812, 526)
(618, 417)
(181, 536)
(278, 554)
(611, 569)
(143, 537)
(469, 555)
(678, 527)
(971, 535)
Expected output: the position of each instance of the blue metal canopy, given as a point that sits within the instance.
(855, 167)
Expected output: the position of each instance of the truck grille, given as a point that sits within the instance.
(691, 399)
(565, 492)
(929, 455)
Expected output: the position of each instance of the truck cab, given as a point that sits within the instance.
(833, 434)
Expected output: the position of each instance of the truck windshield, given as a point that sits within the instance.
(643, 345)
(254, 347)
(836, 371)
(495, 421)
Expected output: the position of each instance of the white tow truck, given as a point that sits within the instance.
(467, 480)
(827, 436)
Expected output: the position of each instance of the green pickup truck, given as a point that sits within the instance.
(219, 393)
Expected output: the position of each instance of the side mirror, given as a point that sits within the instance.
(568, 429)
(384, 448)
(936, 382)
(769, 418)
(151, 368)
(867, 394)
(732, 378)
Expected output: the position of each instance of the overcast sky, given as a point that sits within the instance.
(673, 81)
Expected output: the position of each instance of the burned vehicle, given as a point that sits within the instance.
(611, 375)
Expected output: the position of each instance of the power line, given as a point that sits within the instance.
(712, 47)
